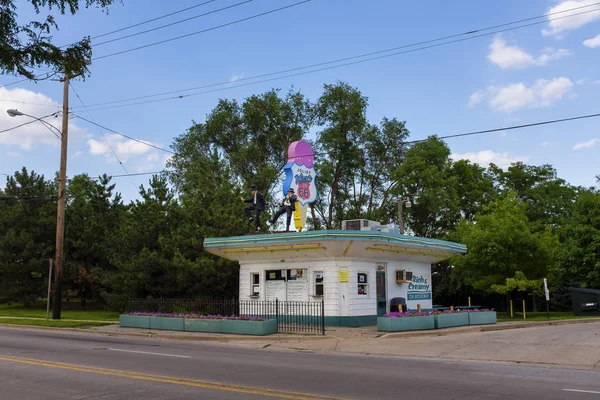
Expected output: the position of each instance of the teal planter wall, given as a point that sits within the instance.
(167, 323)
(259, 328)
(134, 321)
(238, 327)
(204, 325)
(405, 323)
(451, 320)
(482, 318)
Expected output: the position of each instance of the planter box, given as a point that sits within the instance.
(134, 321)
(167, 323)
(204, 325)
(241, 327)
(451, 320)
(405, 323)
(482, 318)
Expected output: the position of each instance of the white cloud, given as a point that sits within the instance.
(236, 77)
(13, 154)
(557, 26)
(549, 143)
(123, 147)
(572, 96)
(593, 42)
(581, 81)
(139, 156)
(34, 134)
(543, 93)
(485, 157)
(587, 145)
(513, 57)
(476, 98)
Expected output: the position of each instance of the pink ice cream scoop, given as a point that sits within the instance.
(301, 153)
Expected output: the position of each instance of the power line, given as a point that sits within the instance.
(204, 30)
(28, 122)
(335, 61)
(28, 103)
(152, 20)
(104, 136)
(173, 23)
(136, 174)
(35, 78)
(125, 136)
(554, 121)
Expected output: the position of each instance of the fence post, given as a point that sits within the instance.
(323, 316)
(277, 312)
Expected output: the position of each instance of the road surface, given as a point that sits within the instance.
(40, 364)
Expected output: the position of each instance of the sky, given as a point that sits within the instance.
(546, 71)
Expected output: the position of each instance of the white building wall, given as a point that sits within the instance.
(331, 288)
(420, 289)
(361, 304)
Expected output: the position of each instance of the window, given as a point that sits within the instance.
(363, 284)
(318, 283)
(255, 285)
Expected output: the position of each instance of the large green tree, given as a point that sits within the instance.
(27, 232)
(24, 46)
(578, 261)
(501, 242)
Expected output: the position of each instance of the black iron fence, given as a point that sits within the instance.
(291, 316)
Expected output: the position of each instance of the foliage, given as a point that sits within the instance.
(23, 47)
(501, 243)
(578, 260)
(519, 283)
(27, 232)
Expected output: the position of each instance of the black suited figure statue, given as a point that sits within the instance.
(257, 203)
(288, 206)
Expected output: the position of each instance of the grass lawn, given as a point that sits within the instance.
(39, 311)
(50, 323)
(541, 316)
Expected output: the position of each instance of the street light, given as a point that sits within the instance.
(408, 204)
(62, 183)
(50, 127)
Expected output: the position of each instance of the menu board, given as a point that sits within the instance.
(276, 290)
(297, 290)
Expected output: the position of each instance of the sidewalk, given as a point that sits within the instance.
(565, 343)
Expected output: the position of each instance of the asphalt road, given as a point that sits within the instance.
(39, 364)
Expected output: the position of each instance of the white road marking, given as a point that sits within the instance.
(147, 352)
(581, 391)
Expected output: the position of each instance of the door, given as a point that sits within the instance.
(381, 298)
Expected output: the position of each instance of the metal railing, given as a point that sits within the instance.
(291, 316)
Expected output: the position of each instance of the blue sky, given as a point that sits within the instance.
(542, 72)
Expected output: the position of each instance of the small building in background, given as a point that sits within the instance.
(359, 272)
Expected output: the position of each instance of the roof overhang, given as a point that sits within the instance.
(326, 245)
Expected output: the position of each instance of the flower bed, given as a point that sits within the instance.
(405, 321)
(482, 316)
(237, 324)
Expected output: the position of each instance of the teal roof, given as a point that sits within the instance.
(306, 236)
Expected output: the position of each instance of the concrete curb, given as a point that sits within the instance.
(282, 337)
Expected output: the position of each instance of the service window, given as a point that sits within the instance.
(318, 283)
(254, 284)
(363, 284)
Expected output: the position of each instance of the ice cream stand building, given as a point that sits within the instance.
(359, 272)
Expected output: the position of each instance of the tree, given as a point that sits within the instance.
(549, 199)
(94, 215)
(252, 137)
(578, 261)
(29, 45)
(27, 232)
(424, 176)
(501, 242)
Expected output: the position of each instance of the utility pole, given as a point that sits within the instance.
(62, 199)
(400, 219)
